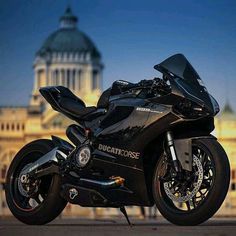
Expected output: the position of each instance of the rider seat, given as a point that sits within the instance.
(63, 100)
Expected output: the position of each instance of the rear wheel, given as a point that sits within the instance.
(37, 201)
(195, 196)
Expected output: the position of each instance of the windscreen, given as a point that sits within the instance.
(179, 66)
(186, 77)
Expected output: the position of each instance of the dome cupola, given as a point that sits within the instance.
(68, 20)
(68, 39)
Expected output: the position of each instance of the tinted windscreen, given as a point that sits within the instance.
(186, 77)
(179, 66)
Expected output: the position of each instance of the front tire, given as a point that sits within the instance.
(44, 203)
(215, 185)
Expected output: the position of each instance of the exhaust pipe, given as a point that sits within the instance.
(88, 192)
(112, 183)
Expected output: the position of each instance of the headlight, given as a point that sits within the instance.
(190, 110)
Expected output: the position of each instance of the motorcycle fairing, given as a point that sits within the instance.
(131, 129)
(187, 80)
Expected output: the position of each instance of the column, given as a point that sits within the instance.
(66, 78)
(62, 77)
(59, 77)
(53, 77)
(74, 75)
(100, 80)
(76, 81)
(70, 79)
(36, 80)
(73, 80)
(80, 79)
(56, 77)
(47, 75)
(87, 79)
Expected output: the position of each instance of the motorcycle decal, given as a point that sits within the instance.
(118, 151)
(147, 110)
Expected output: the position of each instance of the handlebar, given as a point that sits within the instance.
(155, 85)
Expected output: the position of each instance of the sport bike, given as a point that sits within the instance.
(144, 143)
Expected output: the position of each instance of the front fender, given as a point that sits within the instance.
(183, 149)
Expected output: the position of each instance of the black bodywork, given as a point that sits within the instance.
(133, 118)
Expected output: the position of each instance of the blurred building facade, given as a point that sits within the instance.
(68, 57)
(226, 134)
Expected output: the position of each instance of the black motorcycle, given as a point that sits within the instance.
(144, 144)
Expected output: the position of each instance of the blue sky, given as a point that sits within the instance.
(132, 36)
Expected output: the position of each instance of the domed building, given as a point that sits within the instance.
(68, 57)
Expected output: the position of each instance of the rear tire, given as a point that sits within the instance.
(50, 205)
(210, 203)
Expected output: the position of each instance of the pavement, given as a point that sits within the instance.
(117, 226)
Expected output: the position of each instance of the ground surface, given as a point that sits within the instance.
(84, 227)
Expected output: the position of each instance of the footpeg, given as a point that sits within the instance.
(118, 181)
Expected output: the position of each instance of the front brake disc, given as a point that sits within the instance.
(179, 197)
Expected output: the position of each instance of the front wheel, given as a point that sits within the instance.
(38, 201)
(195, 196)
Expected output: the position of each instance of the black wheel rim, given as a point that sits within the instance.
(36, 200)
(208, 165)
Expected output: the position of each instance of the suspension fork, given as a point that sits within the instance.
(172, 151)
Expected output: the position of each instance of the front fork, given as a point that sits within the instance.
(172, 151)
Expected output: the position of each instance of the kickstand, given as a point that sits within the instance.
(122, 209)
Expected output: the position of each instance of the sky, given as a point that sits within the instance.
(132, 36)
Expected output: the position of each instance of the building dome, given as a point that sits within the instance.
(68, 39)
(68, 58)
